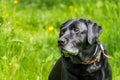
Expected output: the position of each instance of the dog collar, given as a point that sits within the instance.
(102, 51)
(94, 60)
(97, 59)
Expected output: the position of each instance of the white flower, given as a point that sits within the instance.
(4, 57)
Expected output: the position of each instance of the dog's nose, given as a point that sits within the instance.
(61, 42)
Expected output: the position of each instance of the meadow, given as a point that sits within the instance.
(29, 30)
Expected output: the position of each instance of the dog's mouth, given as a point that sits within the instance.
(75, 56)
(73, 53)
(66, 51)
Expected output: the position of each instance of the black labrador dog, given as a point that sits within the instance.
(83, 56)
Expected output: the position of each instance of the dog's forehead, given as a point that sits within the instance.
(76, 23)
(66, 24)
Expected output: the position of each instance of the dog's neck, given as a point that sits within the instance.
(89, 53)
(89, 48)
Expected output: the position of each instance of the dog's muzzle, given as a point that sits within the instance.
(61, 42)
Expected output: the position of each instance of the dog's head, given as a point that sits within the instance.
(75, 36)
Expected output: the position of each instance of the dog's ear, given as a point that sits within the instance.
(93, 32)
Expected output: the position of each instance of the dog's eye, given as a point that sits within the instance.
(75, 29)
(62, 32)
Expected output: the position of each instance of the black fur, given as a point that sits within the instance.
(78, 42)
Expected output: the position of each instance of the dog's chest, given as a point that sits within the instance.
(81, 72)
(80, 75)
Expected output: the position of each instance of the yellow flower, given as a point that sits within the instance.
(10, 63)
(71, 8)
(50, 28)
(15, 1)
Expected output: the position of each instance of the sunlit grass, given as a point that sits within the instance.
(29, 33)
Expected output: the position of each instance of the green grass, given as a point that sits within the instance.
(29, 31)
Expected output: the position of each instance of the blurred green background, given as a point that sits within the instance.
(29, 31)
